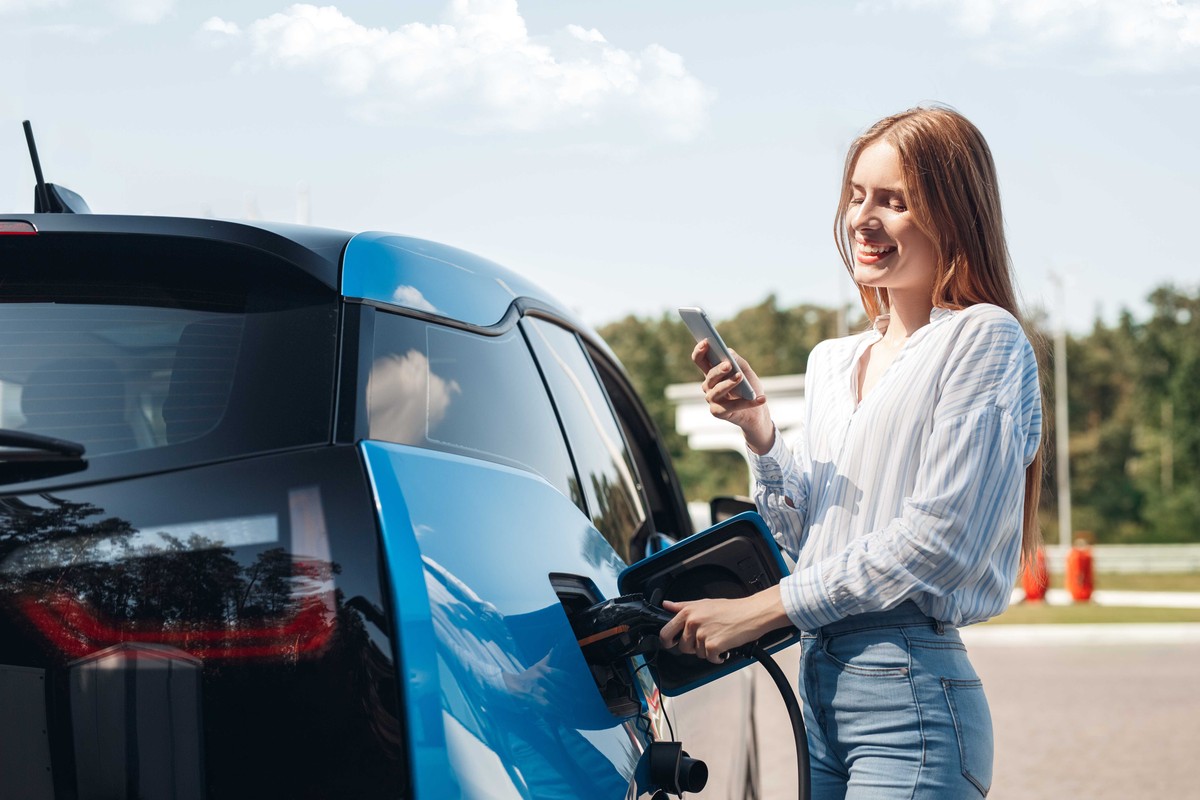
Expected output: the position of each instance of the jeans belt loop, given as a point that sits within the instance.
(940, 627)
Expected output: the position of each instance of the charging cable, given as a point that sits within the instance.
(793, 708)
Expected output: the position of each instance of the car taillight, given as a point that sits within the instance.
(219, 589)
(182, 635)
(16, 227)
(76, 629)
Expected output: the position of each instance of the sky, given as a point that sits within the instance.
(630, 157)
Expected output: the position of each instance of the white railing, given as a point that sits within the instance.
(1133, 558)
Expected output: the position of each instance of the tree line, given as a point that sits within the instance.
(1133, 398)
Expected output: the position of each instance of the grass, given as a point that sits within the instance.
(1035, 613)
(1145, 582)
(1085, 613)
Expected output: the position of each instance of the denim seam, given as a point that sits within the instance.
(927, 644)
(818, 709)
(912, 686)
(947, 685)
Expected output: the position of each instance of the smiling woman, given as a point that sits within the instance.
(911, 491)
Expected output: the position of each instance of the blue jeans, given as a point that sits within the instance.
(894, 710)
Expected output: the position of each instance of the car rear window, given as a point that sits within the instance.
(158, 352)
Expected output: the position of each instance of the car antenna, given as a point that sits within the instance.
(47, 197)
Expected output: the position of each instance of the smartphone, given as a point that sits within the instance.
(702, 328)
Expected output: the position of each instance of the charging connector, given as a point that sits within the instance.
(612, 630)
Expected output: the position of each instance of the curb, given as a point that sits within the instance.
(1102, 597)
(1082, 634)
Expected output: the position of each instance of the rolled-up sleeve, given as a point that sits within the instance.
(781, 488)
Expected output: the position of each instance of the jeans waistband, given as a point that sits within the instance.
(905, 614)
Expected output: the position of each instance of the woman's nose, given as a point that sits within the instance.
(862, 216)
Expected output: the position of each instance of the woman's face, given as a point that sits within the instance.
(890, 251)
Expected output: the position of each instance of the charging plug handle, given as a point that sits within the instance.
(620, 627)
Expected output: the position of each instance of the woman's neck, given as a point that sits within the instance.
(907, 311)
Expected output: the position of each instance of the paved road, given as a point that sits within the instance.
(1096, 721)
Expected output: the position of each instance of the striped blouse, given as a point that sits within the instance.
(917, 492)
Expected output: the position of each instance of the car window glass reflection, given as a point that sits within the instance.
(464, 393)
(606, 470)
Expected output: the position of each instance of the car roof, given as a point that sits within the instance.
(317, 251)
(401, 272)
(438, 280)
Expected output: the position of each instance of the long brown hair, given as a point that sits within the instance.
(954, 197)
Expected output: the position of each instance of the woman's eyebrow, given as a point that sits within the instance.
(878, 190)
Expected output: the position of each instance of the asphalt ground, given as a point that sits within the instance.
(1101, 719)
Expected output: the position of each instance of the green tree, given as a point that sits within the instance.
(1169, 389)
(1102, 406)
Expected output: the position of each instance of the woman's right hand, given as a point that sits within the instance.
(724, 403)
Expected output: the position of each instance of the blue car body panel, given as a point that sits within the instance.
(432, 278)
(498, 692)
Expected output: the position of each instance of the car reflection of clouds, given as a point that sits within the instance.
(405, 398)
(411, 297)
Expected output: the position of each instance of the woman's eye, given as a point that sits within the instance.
(899, 207)
(856, 201)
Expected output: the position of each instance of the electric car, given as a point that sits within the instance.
(289, 512)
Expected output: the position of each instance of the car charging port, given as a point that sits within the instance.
(613, 676)
(616, 629)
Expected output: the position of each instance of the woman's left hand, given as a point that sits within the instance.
(709, 629)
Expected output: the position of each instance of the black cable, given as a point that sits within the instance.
(670, 727)
(793, 708)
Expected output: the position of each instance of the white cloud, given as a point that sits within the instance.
(142, 12)
(480, 70)
(220, 26)
(217, 32)
(1121, 35)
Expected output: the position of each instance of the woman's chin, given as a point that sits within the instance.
(869, 276)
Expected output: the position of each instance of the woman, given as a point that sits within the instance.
(911, 493)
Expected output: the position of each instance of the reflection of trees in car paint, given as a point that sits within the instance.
(90, 591)
(227, 608)
(599, 449)
(406, 400)
(530, 708)
(603, 426)
(616, 512)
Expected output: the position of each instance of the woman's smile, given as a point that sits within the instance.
(872, 254)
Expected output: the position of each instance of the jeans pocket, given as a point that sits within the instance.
(873, 653)
(973, 728)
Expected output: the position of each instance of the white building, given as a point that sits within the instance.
(706, 432)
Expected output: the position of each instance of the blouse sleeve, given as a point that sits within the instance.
(781, 482)
(969, 490)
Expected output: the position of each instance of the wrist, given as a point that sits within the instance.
(762, 439)
(769, 613)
